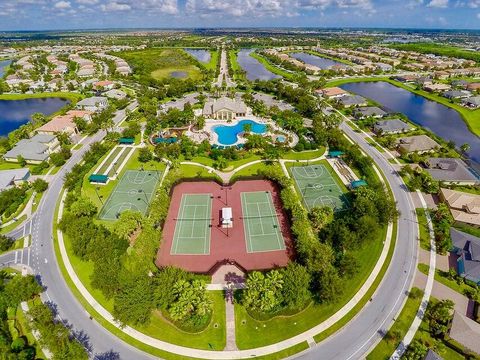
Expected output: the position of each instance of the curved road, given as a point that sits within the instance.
(352, 342)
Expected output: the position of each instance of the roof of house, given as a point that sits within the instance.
(92, 101)
(465, 207)
(473, 86)
(237, 106)
(468, 248)
(7, 177)
(79, 113)
(432, 355)
(452, 94)
(474, 100)
(392, 125)
(370, 111)
(333, 91)
(466, 331)
(115, 94)
(352, 100)
(31, 149)
(417, 143)
(450, 169)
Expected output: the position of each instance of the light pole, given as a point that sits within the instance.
(99, 198)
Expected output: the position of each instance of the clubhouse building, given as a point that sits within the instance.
(224, 108)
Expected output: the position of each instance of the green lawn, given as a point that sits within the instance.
(73, 97)
(159, 63)
(8, 228)
(468, 229)
(442, 277)
(304, 155)
(424, 232)
(212, 64)
(193, 171)
(386, 346)
(252, 333)
(251, 170)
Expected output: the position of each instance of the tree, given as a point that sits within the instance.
(190, 300)
(263, 293)
(83, 207)
(21, 160)
(465, 148)
(21, 288)
(127, 223)
(320, 216)
(40, 185)
(6, 242)
(416, 350)
(145, 155)
(329, 285)
(296, 286)
(165, 280)
(439, 315)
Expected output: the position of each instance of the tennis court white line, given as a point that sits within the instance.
(277, 223)
(246, 225)
(176, 227)
(261, 222)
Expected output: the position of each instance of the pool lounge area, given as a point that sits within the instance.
(227, 135)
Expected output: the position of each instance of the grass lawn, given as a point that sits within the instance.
(73, 97)
(251, 170)
(273, 68)
(8, 228)
(304, 155)
(424, 232)
(468, 229)
(252, 333)
(442, 278)
(193, 171)
(386, 347)
(471, 117)
(159, 63)
(212, 64)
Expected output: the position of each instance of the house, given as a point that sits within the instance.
(472, 102)
(464, 207)
(9, 178)
(352, 100)
(466, 332)
(59, 124)
(224, 108)
(384, 67)
(467, 248)
(405, 78)
(456, 94)
(34, 150)
(436, 87)
(473, 86)
(93, 104)
(432, 355)
(460, 84)
(103, 85)
(332, 92)
(115, 94)
(83, 114)
(369, 111)
(451, 170)
(418, 143)
(392, 126)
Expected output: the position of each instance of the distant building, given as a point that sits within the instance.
(369, 111)
(224, 109)
(9, 178)
(464, 207)
(34, 150)
(418, 143)
(451, 170)
(352, 100)
(392, 126)
(332, 92)
(93, 104)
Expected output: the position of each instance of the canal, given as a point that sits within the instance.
(321, 62)
(201, 55)
(254, 69)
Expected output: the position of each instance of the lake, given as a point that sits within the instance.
(255, 69)
(201, 55)
(439, 119)
(14, 113)
(3, 65)
(321, 62)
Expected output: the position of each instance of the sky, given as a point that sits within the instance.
(96, 14)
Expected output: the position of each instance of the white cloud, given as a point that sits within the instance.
(478, 15)
(87, 2)
(438, 3)
(115, 6)
(62, 5)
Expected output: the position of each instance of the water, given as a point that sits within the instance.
(14, 113)
(321, 62)
(439, 119)
(255, 69)
(3, 65)
(201, 55)
(179, 74)
(228, 135)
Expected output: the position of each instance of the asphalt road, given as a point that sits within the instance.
(353, 342)
(356, 339)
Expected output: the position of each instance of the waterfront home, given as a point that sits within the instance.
(368, 111)
(464, 207)
(60, 124)
(332, 92)
(456, 94)
(392, 126)
(10, 178)
(472, 102)
(451, 170)
(436, 87)
(473, 86)
(418, 144)
(93, 104)
(352, 100)
(34, 150)
(405, 78)
(467, 249)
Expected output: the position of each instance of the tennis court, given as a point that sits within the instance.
(193, 225)
(318, 187)
(134, 191)
(260, 221)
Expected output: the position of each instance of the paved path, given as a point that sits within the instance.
(223, 74)
(230, 324)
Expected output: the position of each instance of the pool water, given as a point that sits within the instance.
(281, 138)
(228, 135)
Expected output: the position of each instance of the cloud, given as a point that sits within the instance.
(62, 5)
(115, 6)
(438, 3)
(478, 15)
(87, 2)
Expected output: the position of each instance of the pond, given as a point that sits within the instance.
(255, 69)
(321, 62)
(439, 119)
(3, 65)
(179, 74)
(14, 113)
(201, 55)
(228, 134)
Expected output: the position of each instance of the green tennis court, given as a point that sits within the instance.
(192, 228)
(318, 187)
(134, 191)
(260, 221)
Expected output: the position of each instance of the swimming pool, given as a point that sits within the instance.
(228, 135)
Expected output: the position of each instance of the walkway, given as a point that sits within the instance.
(230, 323)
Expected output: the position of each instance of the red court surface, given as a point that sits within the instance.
(225, 249)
